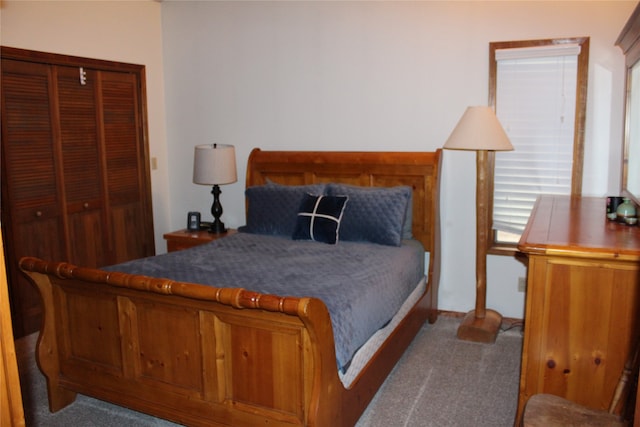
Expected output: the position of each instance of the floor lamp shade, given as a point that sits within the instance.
(215, 164)
(479, 130)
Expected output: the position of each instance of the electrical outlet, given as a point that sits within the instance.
(522, 284)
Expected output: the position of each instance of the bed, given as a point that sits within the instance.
(217, 354)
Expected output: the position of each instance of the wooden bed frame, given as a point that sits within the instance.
(207, 356)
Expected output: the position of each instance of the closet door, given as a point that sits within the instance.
(125, 163)
(75, 171)
(33, 209)
(84, 193)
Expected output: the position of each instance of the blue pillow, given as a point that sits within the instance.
(374, 214)
(407, 226)
(319, 218)
(273, 208)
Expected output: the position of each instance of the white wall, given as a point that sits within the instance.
(331, 76)
(124, 31)
(372, 76)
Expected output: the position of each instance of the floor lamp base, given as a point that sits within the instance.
(483, 330)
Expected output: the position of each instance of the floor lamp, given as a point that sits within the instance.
(479, 130)
(215, 164)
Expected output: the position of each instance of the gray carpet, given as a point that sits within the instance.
(439, 382)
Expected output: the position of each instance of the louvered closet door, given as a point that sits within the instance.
(75, 173)
(125, 166)
(30, 168)
(82, 169)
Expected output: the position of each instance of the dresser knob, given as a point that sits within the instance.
(38, 213)
(86, 205)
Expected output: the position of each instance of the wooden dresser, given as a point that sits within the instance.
(582, 305)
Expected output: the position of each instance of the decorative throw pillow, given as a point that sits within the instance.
(319, 218)
(273, 208)
(374, 214)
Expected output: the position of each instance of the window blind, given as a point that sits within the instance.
(536, 103)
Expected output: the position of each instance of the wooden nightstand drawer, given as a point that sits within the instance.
(183, 239)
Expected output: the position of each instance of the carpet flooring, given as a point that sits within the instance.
(439, 382)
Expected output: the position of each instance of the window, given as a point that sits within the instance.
(538, 89)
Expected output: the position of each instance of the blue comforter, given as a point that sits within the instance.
(363, 285)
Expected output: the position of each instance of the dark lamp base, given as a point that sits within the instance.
(483, 330)
(217, 227)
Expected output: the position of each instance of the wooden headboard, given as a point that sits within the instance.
(419, 170)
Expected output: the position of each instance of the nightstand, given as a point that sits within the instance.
(183, 239)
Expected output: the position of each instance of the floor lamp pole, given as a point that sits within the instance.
(481, 325)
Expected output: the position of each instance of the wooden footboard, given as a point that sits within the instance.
(194, 354)
(198, 355)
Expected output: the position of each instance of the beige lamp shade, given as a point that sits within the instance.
(214, 164)
(478, 129)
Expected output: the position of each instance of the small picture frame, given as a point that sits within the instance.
(193, 221)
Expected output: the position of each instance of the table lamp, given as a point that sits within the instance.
(215, 164)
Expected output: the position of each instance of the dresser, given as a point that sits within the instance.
(583, 300)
